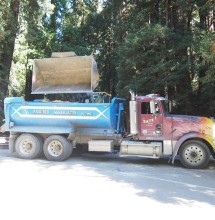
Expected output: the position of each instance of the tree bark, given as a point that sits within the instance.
(8, 48)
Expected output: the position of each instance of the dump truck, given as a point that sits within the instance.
(55, 128)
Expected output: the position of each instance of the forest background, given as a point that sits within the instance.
(149, 46)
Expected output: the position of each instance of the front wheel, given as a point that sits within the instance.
(194, 154)
(57, 148)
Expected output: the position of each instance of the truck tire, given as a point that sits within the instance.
(194, 154)
(28, 146)
(41, 140)
(57, 148)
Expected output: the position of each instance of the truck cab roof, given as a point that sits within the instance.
(150, 97)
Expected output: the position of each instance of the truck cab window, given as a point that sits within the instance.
(145, 108)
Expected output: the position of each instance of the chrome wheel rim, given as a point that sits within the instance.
(55, 148)
(194, 154)
(26, 146)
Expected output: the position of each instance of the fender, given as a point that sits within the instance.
(187, 137)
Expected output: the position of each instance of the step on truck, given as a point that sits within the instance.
(55, 128)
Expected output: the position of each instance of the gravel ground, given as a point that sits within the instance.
(94, 186)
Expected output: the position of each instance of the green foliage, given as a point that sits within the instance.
(206, 63)
(162, 53)
(9, 11)
(142, 65)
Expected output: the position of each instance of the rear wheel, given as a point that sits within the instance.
(57, 148)
(28, 146)
(194, 154)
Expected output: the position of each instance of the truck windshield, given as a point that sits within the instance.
(165, 104)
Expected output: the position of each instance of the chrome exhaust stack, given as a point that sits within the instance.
(133, 114)
(132, 95)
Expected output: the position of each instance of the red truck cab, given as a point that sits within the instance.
(192, 138)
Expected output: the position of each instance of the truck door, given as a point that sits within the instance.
(150, 124)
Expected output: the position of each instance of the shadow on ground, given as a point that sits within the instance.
(154, 178)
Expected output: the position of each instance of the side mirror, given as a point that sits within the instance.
(170, 106)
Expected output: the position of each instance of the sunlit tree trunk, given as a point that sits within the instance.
(11, 21)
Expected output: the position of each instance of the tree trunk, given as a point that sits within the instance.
(8, 48)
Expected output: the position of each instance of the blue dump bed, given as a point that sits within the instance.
(41, 116)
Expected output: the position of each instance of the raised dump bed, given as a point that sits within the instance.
(64, 73)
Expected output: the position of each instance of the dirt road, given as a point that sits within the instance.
(101, 187)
